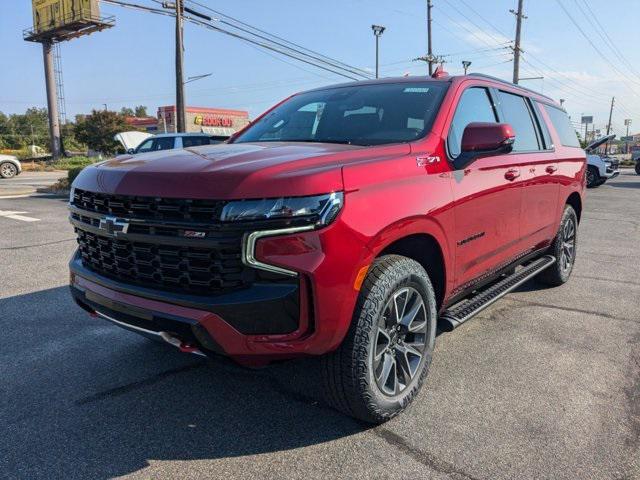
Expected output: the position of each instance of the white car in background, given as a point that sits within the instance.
(600, 168)
(9, 166)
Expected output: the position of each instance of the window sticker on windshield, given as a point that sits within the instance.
(416, 90)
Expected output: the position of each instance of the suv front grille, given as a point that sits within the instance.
(158, 249)
(193, 270)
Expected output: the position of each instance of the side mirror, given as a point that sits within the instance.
(484, 140)
(131, 151)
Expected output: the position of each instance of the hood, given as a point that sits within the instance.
(227, 171)
(131, 139)
(600, 141)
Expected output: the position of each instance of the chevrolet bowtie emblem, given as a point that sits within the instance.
(112, 225)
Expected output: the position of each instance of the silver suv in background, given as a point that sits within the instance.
(169, 141)
(9, 166)
(600, 168)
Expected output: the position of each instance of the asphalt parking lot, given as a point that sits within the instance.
(544, 384)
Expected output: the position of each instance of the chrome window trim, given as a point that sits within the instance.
(249, 248)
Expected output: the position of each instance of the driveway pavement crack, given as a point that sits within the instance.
(19, 247)
(123, 389)
(575, 310)
(420, 456)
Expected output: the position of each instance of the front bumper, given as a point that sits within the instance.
(315, 306)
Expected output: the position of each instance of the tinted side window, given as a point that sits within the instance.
(517, 114)
(194, 141)
(145, 146)
(562, 125)
(474, 106)
(165, 143)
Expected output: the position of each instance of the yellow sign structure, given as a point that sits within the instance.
(50, 15)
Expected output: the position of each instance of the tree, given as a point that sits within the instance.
(127, 112)
(141, 111)
(98, 129)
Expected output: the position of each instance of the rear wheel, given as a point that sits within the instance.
(384, 359)
(564, 249)
(8, 170)
(593, 177)
(638, 167)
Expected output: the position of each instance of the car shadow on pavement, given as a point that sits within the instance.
(84, 399)
(624, 184)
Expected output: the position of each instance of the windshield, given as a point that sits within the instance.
(360, 115)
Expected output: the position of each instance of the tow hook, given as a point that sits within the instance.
(180, 345)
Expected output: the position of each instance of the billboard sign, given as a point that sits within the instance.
(50, 15)
(587, 119)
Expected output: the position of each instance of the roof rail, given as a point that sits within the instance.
(506, 82)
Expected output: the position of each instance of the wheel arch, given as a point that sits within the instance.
(576, 202)
(426, 250)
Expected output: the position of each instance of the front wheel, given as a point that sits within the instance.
(384, 359)
(564, 249)
(638, 168)
(8, 170)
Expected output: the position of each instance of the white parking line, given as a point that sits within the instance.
(17, 216)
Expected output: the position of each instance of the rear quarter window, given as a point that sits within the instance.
(562, 125)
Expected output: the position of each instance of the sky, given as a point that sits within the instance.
(133, 63)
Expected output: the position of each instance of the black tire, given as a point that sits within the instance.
(564, 248)
(593, 177)
(353, 374)
(8, 170)
(638, 168)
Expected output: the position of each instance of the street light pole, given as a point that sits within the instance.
(429, 44)
(466, 64)
(378, 30)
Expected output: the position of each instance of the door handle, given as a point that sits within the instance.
(512, 174)
(551, 169)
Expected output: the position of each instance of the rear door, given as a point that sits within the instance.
(487, 193)
(535, 155)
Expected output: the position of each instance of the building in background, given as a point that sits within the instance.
(147, 124)
(218, 122)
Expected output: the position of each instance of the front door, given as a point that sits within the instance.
(488, 197)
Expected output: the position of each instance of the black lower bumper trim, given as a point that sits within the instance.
(262, 309)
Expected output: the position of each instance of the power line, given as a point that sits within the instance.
(278, 40)
(291, 53)
(593, 45)
(613, 46)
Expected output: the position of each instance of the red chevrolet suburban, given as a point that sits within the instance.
(346, 222)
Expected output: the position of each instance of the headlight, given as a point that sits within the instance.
(71, 193)
(319, 209)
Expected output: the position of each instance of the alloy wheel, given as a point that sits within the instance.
(568, 244)
(8, 170)
(400, 341)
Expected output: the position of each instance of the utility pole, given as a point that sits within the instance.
(466, 64)
(429, 44)
(606, 148)
(516, 49)
(52, 99)
(180, 105)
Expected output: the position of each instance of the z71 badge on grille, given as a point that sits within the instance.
(194, 234)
